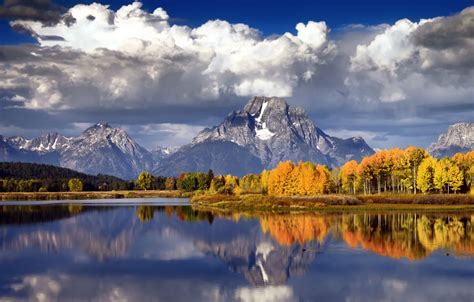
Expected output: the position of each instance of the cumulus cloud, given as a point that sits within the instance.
(409, 57)
(132, 58)
(133, 67)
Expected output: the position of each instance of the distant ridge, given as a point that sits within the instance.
(100, 149)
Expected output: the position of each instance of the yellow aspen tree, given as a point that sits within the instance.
(455, 178)
(413, 158)
(440, 176)
(264, 181)
(424, 180)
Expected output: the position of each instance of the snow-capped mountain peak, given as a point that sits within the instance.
(267, 130)
(458, 138)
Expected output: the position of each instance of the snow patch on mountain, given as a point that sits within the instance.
(261, 129)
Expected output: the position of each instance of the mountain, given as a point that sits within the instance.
(161, 153)
(100, 149)
(104, 149)
(458, 138)
(223, 157)
(10, 153)
(264, 133)
(45, 143)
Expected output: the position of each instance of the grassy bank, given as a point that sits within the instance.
(89, 195)
(335, 202)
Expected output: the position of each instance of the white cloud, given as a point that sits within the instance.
(387, 50)
(409, 60)
(165, 134)
(135, 63)
(130, 57)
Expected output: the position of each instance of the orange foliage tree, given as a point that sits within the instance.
(303, 179)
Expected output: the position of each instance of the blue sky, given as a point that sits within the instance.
(392, 81)
(277, 17)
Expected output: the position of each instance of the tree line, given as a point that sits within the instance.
(30, 177)
(409, 170)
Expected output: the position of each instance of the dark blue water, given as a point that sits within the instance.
(156, 253)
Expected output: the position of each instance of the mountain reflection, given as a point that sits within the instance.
(267, 249)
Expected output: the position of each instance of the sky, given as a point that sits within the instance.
(395, 72)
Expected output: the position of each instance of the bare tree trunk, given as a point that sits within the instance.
(414, 180)
(378, 184)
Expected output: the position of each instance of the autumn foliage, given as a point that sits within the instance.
(409, 170)
(303, 179)
(394, 171)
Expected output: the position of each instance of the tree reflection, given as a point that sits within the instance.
(145, 213)
(396, 235)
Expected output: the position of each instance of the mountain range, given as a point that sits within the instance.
(265, 132)
(100, 149)
(458, 138)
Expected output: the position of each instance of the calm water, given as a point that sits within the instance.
(125, 252)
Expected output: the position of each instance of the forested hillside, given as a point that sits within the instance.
(18, 176)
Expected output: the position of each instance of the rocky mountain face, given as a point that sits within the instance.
(99, 149)
(11, 152)
(458, 138)
(264, 133)
(161, 153)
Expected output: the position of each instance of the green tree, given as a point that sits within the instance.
(203, 181)
(210, 177)
(23, 186)
(144, 180)
(190, 182)
(75, 185)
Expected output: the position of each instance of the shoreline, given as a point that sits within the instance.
(334, 203)
(89, 195)
(264, 203)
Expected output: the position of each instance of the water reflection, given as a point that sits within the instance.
(145, 252)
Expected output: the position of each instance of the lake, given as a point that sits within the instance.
(163, 250)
